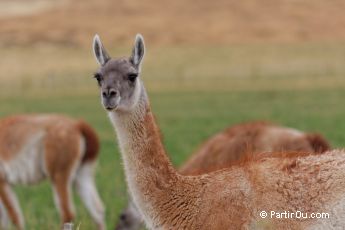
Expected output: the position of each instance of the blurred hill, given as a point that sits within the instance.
(73, 22)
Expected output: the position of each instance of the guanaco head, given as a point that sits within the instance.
(118, 78)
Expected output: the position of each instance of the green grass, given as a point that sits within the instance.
(186, 119)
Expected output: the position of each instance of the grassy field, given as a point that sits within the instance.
(195, 92)
(185, 119)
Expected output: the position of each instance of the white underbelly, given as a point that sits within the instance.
(28, 166)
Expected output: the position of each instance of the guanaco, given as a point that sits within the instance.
(64, 150)
(231, 198)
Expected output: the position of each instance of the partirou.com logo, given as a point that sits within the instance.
(293, 215)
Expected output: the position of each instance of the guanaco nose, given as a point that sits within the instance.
(109, 93)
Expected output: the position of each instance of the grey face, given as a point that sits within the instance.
(119, 78)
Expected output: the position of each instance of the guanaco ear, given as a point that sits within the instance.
(101, 55)
(138, 51)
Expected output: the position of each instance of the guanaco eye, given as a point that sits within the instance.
(98, 77)
(132, 77)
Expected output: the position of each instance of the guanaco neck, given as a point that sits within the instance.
(148, 170)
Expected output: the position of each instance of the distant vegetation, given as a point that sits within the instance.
(73, 22)
(53, 70)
